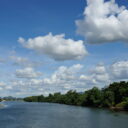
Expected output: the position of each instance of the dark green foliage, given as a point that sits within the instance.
(116, 94)
(108, 99)
(32, 99)
(123, 104)
(120, 90)
(93, 97)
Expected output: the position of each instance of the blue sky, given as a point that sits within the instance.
(95, 53)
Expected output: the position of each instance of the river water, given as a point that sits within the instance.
(47, 115)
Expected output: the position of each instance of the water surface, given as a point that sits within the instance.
(46, 115)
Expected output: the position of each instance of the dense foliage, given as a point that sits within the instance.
(115, 95)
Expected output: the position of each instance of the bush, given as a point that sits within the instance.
(123, 105)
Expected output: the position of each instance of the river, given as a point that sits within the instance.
(47, 115)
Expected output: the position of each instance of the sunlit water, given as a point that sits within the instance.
(45, 115)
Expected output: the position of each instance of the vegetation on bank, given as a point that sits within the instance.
(10, 98)
(114, 96)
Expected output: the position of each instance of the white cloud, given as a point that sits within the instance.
(23, 61)
(99, 69)
(65, 78)
(88, 80)
(119, 70)
(56, 47)
(27, 73)
(104, 21)
(2, 84)
(19, 60)
(97, 76)
(64, 75)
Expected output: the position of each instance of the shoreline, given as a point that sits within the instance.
(118, 109)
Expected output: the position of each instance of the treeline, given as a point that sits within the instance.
(10, 98)
(114, 96)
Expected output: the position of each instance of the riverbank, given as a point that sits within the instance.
(115, 96)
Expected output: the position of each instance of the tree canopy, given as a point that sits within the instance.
(114, 95)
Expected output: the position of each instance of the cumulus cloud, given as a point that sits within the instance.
(27, 73)
(19, 60)
(56, 47)
(97, 76)
(28, 81)
(104, 74)
(65, 78)
(23, 61)
(2, 84)
(99, 69)
(104, 21)
(119, 70)
(65, 74)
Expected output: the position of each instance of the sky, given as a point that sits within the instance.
(54, 46)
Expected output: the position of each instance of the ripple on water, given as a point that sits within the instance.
(2, 106)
